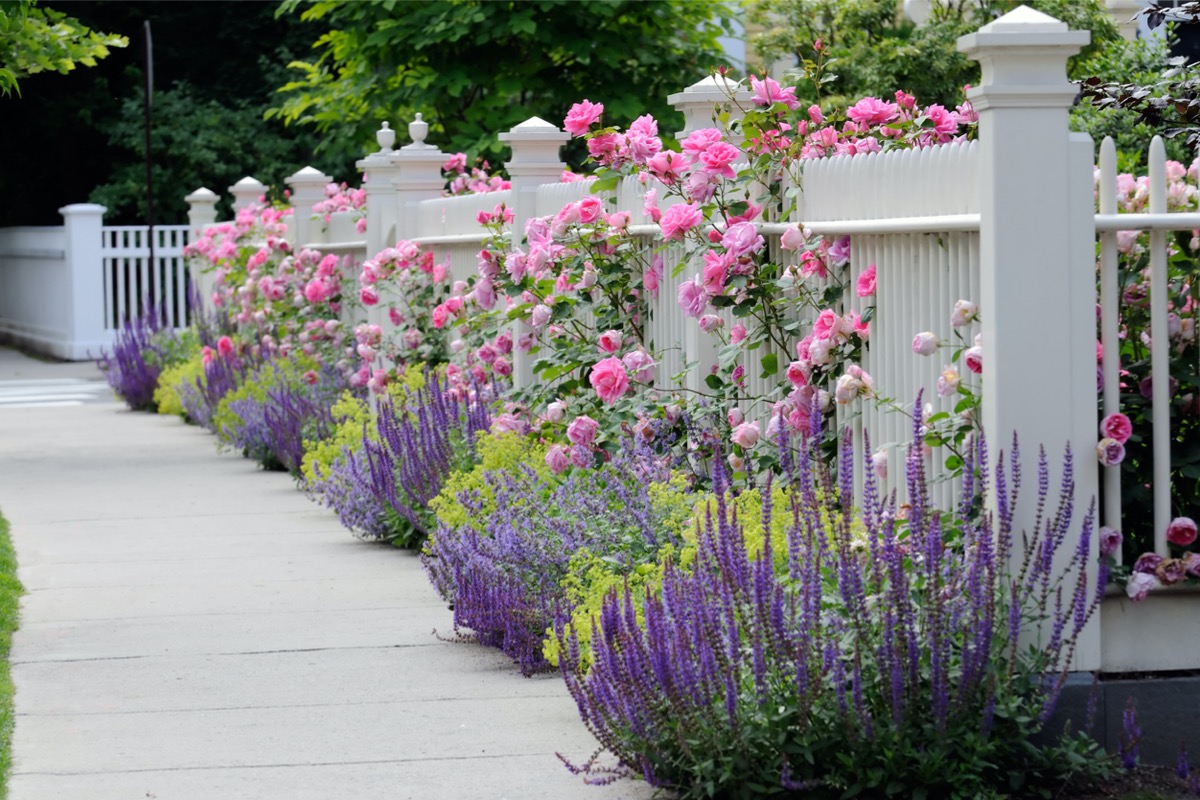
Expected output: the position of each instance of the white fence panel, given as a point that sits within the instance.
(132, 283)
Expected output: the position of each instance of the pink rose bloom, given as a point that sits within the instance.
(737, 334)
(865, 285)
(501, 367)
(1110, 541)
(540, 315)
(973, 358)
(558, 458)
(792, 239)
(1191, 563)
(745, 435)
(556, 412)
(872, 111)
(641, 139)
(1116, 426)
(640, 365)
(604, 147)
(964, 313)
(668, 166)
(1147, 563)
(679, 219)
(718, 158)
(848, 387)
(711, 322)
(693, 299)
(368, 296)
(944, 122)
(734, 417)
(1171, 571)
(590, 209)
(879, 463)
(440, 315)
(768, 92)
(798, 372)
(828, 325)
(581, 456)
(1181, 531)
(581, 116)
(650, 205)
(378, 382)
(507, 423)
(1111, 452)
(609, 379)
(716, 267)
(582, 430)
(742, 239)
(736, 462)
(1139, 585)
(699, 141)
(814, 114)
(225, 346)
(925, 344)
(650, 279)
(316, 291)
(610, 341)
(948, 382)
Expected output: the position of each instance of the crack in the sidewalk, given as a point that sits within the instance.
(281, 651)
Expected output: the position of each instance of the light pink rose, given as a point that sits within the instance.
(745, 435)
(1116, 426)
(558, 458)
(742, 239)
(792, 238)
(540, 315)
(865, 285)
(735, 417)
(1111, 452)
(948, 382)
(581, 116)
(610, 341)
(1181, 531)
(711, 322)
(582, 430)
(609, 379)
(693, 299)
(502, 367)
(699, 141)
(639, 365)
(737, 334)
(925, 344)
(964, 313)
(828, 325)
(556, 412)
(679, 219)
(1139, 585)
(847, 389)
(736, 462)
(879, 462)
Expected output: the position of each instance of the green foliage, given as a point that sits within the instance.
(166, 396)
(477, 68)
(495, 453)
(10, 593)
(36, 39)
(210, 142)
(874, 49)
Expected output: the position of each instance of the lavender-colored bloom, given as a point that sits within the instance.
(133, 367)
(1131, 736)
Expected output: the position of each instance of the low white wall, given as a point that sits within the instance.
(34, 290)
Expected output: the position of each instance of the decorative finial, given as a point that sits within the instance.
(386, 138)
(418, 129)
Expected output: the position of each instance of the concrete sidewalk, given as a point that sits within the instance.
(196, 628)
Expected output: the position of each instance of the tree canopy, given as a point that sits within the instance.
(476, 68)
(34, 39)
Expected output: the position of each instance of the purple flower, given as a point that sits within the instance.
(1110, 541)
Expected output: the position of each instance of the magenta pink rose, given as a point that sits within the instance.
(225, 346)
(872, 111)
(767, 92)
(828, 325)
(693, 299)
(865, 286)
(581, 116)
(973, 358)
(368, 296)
(1116, 426)
(679, 219)
(610, 341)
(1181, 531)
(582, 430)
(718, 158)
(609, 379)
(737, 334)
(590, 209)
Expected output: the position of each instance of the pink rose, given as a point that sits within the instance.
(879, 463)
(640, 365)
(865, 286)
(1111, 452)
(610, 341)
(679, 219)
(827, 326)
(742, 239)
(1181, 531)
(225, 346)
(716, 267)
(1147, 563)
(1116, 426)
(847, 388)
(1139, 585)
(964, 313)
(558, 458)
(745, 435)
(717, 159)
(792, 238)
(368, 296)
(699, 141)
(581, 116)
(948, 381)
(581, 456)
(973, 358)
(501, 367)
(693, 299)
(767, 92)
(590, 209)
(1191, 563)
(925, 344)
(540, 315)
(1171, 571)
(711, 322)
(440, 315)
(1110, 541)
(609, 379)
(556, 412)
(872, 111)
(798, 372)
(582, 430)
(737, 334)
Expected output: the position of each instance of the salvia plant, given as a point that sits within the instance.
(504, 571)
(895, 666)
(133, 367)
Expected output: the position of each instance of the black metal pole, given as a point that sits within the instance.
(150, 161)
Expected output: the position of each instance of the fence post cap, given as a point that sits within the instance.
(1023, 27)
(535, 129)
(307, 175)
(713, 88)
(83, 209)
(248, 182)
(202, 195)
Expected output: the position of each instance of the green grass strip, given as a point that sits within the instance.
(10, 592)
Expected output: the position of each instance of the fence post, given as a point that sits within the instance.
(417, 177)
(535, 144)
(202, 213)
(308, 189)
(83, 245)
(246, 192)
(379, 172)
(1037, 262)
(697, 101)
(1124, 14)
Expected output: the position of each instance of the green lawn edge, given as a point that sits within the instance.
(10, 593)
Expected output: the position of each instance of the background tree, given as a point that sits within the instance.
(874, 49)
(35, 39)
(476, 68)
(216, 64)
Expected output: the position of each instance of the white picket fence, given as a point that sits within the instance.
(1007, 221)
